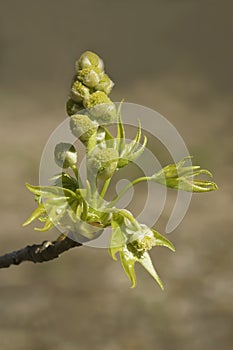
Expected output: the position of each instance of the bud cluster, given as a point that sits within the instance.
(78, 206)
(90, 89)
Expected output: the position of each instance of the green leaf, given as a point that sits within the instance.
(128, 262)
(146, 262)
(162, 241)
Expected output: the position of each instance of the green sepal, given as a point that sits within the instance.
(162, 241)
(120, 135)
(146, 262)
(117, 240)
(136, 154)
(108, 135)
(137, 138)
(133, 150)
(128, 262)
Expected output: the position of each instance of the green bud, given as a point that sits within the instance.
(90, 76)
(65, 155)
(103, 162)
(82, 127)
(79, 92)
(101, 107)
(182, 177)
(88, 59)
(72, 107)
(105, 85)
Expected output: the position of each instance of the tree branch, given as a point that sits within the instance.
(38, 253)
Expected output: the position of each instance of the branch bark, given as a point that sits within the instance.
(38, 253)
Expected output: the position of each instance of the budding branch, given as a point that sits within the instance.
(38, 253)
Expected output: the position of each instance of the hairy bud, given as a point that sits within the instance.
(72, 107)
(89, 59)
(82, 127)
(101, 107)
(65, 155)
(103, 162)
(90, 76)
(105, 85)
(79, 92)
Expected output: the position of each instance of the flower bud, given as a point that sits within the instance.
(79, 92)
(65, 155)
(72, 107)
(101, 107)
(82, 127)
(90, 76)
(88, 59)
(103, 162)
(105, 84)
(182, 177)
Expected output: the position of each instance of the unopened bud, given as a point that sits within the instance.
(88, 59)
(65, 155)
(103, 162)
(79, 92)
(101, 107)
(72, 107)
(90, 76)
(82, 127)
(105, 84)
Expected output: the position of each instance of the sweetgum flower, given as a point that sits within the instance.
(65, 155)
(103, 162)
(101, 107)
(79, 92)
(72, 107)
(90, 76)
(105, 85)
(89, 59)
(82, 127)
(141, 242)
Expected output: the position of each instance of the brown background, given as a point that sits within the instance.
(175, 57)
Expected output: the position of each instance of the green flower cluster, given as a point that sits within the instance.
(80, 209)
(90, 89)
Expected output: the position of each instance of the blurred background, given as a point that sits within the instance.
(176, 58)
